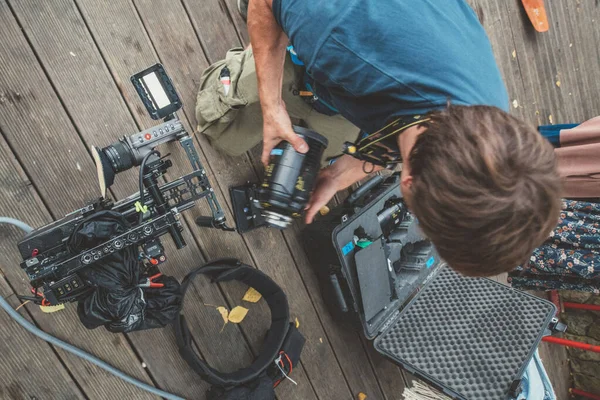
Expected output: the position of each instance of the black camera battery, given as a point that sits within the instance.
(471, 338)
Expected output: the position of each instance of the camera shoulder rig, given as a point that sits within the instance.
(50, 259)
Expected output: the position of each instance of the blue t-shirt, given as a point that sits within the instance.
(378, 59)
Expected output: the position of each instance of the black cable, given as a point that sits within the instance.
(142, 167)
(70, 348)
(364, 167)
(74, 242)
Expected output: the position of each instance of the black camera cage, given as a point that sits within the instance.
(52, 266)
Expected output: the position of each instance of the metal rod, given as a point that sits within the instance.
(555, 298)
(580, 392)
(572, 343)
(151, 184)
(590, 307)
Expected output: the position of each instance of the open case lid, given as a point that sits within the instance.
(470, 337)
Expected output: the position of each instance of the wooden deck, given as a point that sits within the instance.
(64, 85)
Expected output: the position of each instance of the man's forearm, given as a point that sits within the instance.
(346, 171)
(268, 45)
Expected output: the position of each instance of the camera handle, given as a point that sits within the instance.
(218, 218)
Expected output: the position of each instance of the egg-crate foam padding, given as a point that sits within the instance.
(470, 337)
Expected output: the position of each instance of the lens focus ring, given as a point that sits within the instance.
(120, 155)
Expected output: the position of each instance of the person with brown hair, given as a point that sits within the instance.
(487, 197)
(409, 81)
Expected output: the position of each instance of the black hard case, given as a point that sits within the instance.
(328, 243)
(356, 282)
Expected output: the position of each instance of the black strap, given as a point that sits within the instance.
(224, 270)
(381, 147)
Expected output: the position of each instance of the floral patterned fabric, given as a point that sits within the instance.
(570, 258)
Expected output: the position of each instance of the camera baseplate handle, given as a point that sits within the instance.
(218, 218)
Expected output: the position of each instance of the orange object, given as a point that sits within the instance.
(149, 282)
(590, 307)
(537, 14)
(587, 395)
(38, 294)
(571, 343)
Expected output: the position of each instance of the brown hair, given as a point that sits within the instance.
(485, 188)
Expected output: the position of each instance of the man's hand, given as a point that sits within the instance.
(343, 173)
(325, 189)
(268, 46)
(277, 126)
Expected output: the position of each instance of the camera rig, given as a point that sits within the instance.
(49, 260)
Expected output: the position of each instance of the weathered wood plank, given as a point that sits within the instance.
(29, 367)
(527, 46)
(238, 22)
(549, 70)
(24, 90)
(87, 69)
(582, 29)
(391, 377)
(497, 24)
(24, 371)
(213, 25)
(34, 123)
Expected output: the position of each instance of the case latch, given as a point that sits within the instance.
(557, 326)
(515, 388)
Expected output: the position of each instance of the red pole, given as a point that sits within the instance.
(584, 394)
(591, 307)
(554, 297)
(572, 343)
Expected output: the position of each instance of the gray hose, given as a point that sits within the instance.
(70, 348)
(19, 224)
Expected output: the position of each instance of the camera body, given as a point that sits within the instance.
(50, 259)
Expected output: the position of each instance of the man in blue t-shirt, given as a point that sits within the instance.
(411, 81)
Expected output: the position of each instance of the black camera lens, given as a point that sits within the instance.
(290, 178)
(120, 156)
(112, 159)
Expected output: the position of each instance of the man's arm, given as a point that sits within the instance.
(343, 173)
(268, 45)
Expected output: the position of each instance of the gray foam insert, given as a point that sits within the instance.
(471, 337)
